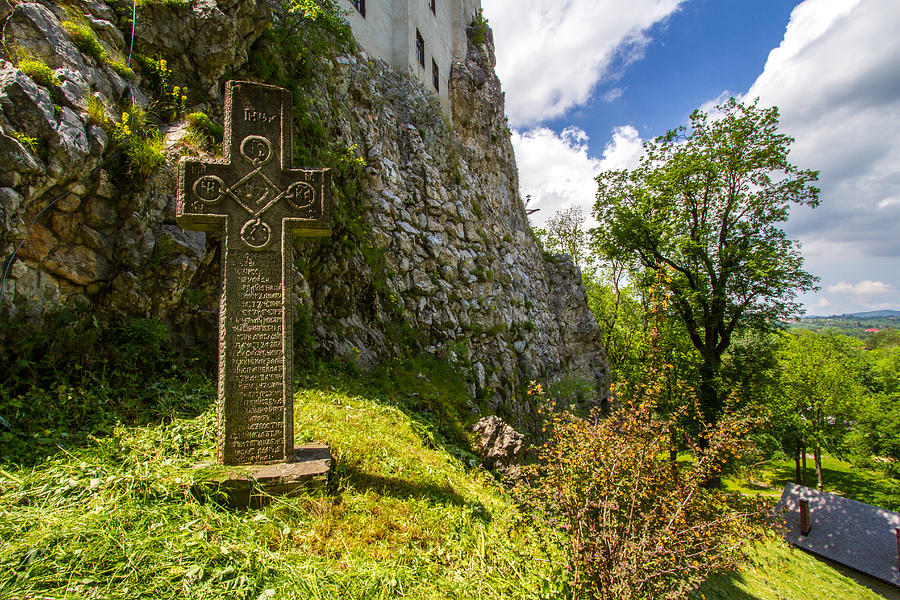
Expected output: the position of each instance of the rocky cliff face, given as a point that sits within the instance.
(431, 248)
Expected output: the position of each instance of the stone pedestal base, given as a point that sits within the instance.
(254, 485)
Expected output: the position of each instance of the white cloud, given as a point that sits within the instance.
(823, 304)
(846, 297)
(613, 94)
(558, 172)
(836, 82)
(835, 79)
(862, 288)
(551, 54)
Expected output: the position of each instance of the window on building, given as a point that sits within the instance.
(435, 76)
(431, 5)
(360, 6)
(420, 49)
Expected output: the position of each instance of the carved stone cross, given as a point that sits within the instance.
(260, 200)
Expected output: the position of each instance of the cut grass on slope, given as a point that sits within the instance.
(781, 572)
(115, 519)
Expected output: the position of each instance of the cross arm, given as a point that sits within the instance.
(201, 194)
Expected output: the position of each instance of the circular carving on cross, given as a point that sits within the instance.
(209, 189)
(256, 149)
(256, 234)
(300, 195)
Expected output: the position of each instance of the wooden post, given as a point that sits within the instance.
(897, 531)
(804, 518)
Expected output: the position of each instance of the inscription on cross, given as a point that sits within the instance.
(256, 196)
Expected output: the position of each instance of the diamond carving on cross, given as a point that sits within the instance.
(251, 187)
(260, 200)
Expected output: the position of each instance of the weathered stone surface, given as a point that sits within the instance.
(500, 446)
(64, 226)
(39, 243)
(260, 200)
(36, 29)
(78, 264)
(206, 37)
(16, 162)
(25, 103)
(10, 206)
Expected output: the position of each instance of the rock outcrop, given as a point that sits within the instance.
(432, 250)
(501, 447)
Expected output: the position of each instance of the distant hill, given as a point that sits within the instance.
(872, 314)
(876, 313)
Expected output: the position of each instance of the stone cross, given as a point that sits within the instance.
(260, 200)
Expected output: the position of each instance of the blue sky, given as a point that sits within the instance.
(587, 81)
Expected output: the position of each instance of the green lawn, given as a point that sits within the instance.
(412, 518)
(780, 571)
(865, 485)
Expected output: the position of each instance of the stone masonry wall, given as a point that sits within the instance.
(438, 203)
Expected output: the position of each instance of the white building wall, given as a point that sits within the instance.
(389, 28)
(375, 32)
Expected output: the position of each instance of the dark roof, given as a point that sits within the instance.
(856, 535)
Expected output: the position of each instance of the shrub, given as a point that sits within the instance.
(477, 28)
(85, 40)
(26, 140)
(635, 524)
(140, 141)
(38, 71)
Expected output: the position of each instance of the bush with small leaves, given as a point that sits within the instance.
(634, 522)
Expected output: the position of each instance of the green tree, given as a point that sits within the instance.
(820, 391)
(706, 204)
(876, 426)
(564, 233)
(621, 312)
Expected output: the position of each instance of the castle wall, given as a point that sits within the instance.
(388, 31)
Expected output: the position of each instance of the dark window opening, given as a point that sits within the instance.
(435, 76)
(360, 6)
(431, 4)
(420, 49)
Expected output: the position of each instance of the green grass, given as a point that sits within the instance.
(865, 485)
(112, 516)
(778, 571)
(38, 71)
(86, 40)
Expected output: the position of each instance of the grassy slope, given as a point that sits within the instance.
(113, 518)
(780, 572)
